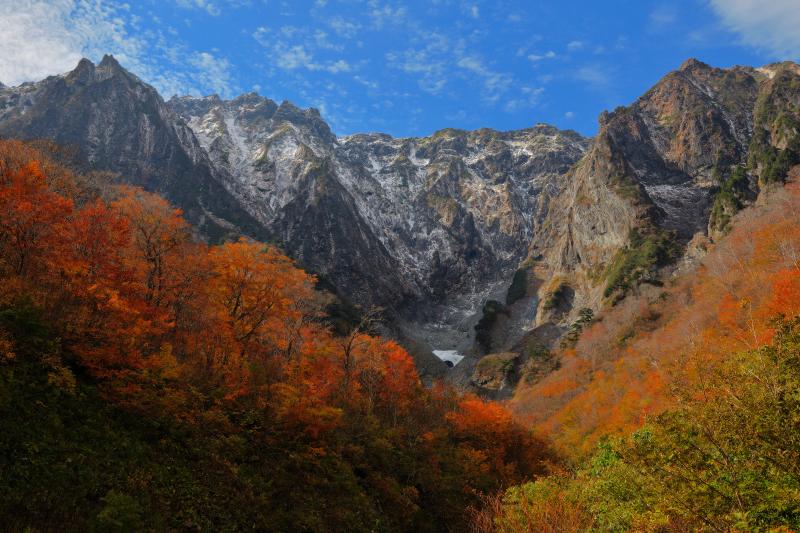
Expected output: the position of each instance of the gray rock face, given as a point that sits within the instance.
(652, 166)
(119, 123)
(410, 224)
(394, 222)
(428, 227)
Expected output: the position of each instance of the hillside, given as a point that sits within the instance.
(634, 298)
(679, 406)
(659, 185)
(473, 242)
(149, 381)
(426, 228)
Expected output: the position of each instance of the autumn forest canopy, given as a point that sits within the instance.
(149, 381)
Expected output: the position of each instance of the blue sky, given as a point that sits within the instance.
(405, 68)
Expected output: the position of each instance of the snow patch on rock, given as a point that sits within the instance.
(449, 356)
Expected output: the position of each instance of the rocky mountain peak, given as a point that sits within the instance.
(309, 118)
(84, 71)
(430, 227)
(109, 62)
(654, 173)
(251, 99)
(693, 64)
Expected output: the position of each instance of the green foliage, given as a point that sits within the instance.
(495, 364)
(120, 513)
(492, 309)
(342, 316)
(730, 456)
(773, 162)
(72, 461)
(538, 352)
(554, 298)
(626, 187)
(730, 199)
(585, 318)
(448, 132)
(726, 458)
(519, 287)
(775, 120)
(642, 254)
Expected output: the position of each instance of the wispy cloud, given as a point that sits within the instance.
(293, 48)
(214, 72)
(50, 37)
(383, 14)
(769, 25)
(495, 83)
(572, 46)
(529, 99)
(204, 5)
(663, 15)
(595, 75)
(344, 28)
(539, 57)
(429, 62)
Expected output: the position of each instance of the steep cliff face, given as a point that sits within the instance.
(656, 175)
(394, 222)
(119, 123)
(544, 222)
(428, 227)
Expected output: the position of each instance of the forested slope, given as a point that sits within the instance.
(679, 406)
(151, 382)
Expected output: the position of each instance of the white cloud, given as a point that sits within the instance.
(457, 116)
(431, 71)
(575, 45)
(663, 15)
(429, 63)
(538, 57)
(569, 114)
(769, 25)
(528, 99)
(40, 38)
(338, 66)
(294, 57)
(593, 75)
(213, 72)
(344, 28)
(369, 84)
(474, 12)
(45, 37)
(495, 83)
(381, 14)
(209, 7)
(290, 56)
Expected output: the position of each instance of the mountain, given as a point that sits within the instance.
(517, 234)
(431, 217)
(423, 226)
(659, 173)
(658, 186)
(118, 123)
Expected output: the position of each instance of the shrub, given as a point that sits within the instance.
(519, 287)
(642, 254)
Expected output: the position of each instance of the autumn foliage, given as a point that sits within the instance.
(626, 365)
(226, 348)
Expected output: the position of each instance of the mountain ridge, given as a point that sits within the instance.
(432, 228)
